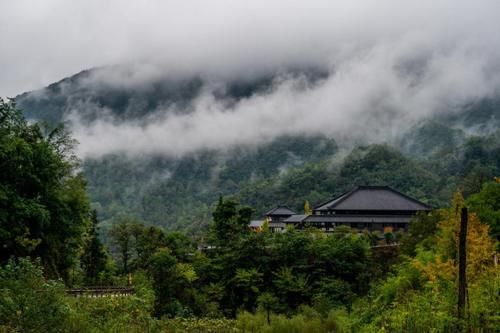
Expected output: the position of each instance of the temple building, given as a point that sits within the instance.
(274, 219)
(363, 208)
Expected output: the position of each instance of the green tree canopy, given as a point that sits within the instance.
(44, 209)
(487, 205)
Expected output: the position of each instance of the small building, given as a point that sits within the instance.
(276, 217)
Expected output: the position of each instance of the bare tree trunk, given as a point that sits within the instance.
(462, 263)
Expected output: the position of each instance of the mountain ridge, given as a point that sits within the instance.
(178, 192)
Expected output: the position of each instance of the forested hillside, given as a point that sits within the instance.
(458, 149)
(93, 92)
(232, 279)
(250, 166)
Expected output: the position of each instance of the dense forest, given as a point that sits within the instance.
(454, 149)
(250, 166)
(225, 277)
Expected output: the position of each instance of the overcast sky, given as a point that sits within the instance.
(392, 63)
(44, 41)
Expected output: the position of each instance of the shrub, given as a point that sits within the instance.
(29, 303)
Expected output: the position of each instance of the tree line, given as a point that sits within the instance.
(228, 278)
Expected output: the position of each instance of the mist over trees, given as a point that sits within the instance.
(176, 184)
(151, 151)
(228, 277)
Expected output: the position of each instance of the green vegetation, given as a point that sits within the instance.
(229, 278)
(487, 205)
(44, 209)
(29, 303)
(181, 194)
(430, 161)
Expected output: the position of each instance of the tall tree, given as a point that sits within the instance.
(44, 209)
(94, 256)
(147, 241)
(487, 206)
(123, 235)
(230, 221)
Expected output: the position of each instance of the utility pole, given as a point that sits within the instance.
(462, 263)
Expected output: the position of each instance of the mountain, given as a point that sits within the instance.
(459, 148)
(121, 92)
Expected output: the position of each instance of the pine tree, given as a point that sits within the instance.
(94, 256)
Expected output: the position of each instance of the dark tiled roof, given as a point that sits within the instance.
(373, 198)
(295, 219)
(326, 204)
(280, 210)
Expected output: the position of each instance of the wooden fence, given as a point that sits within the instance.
(101, 291)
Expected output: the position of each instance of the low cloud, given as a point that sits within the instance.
(371, 96)
(390, 63)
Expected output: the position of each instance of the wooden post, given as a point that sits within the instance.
(462, 263)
